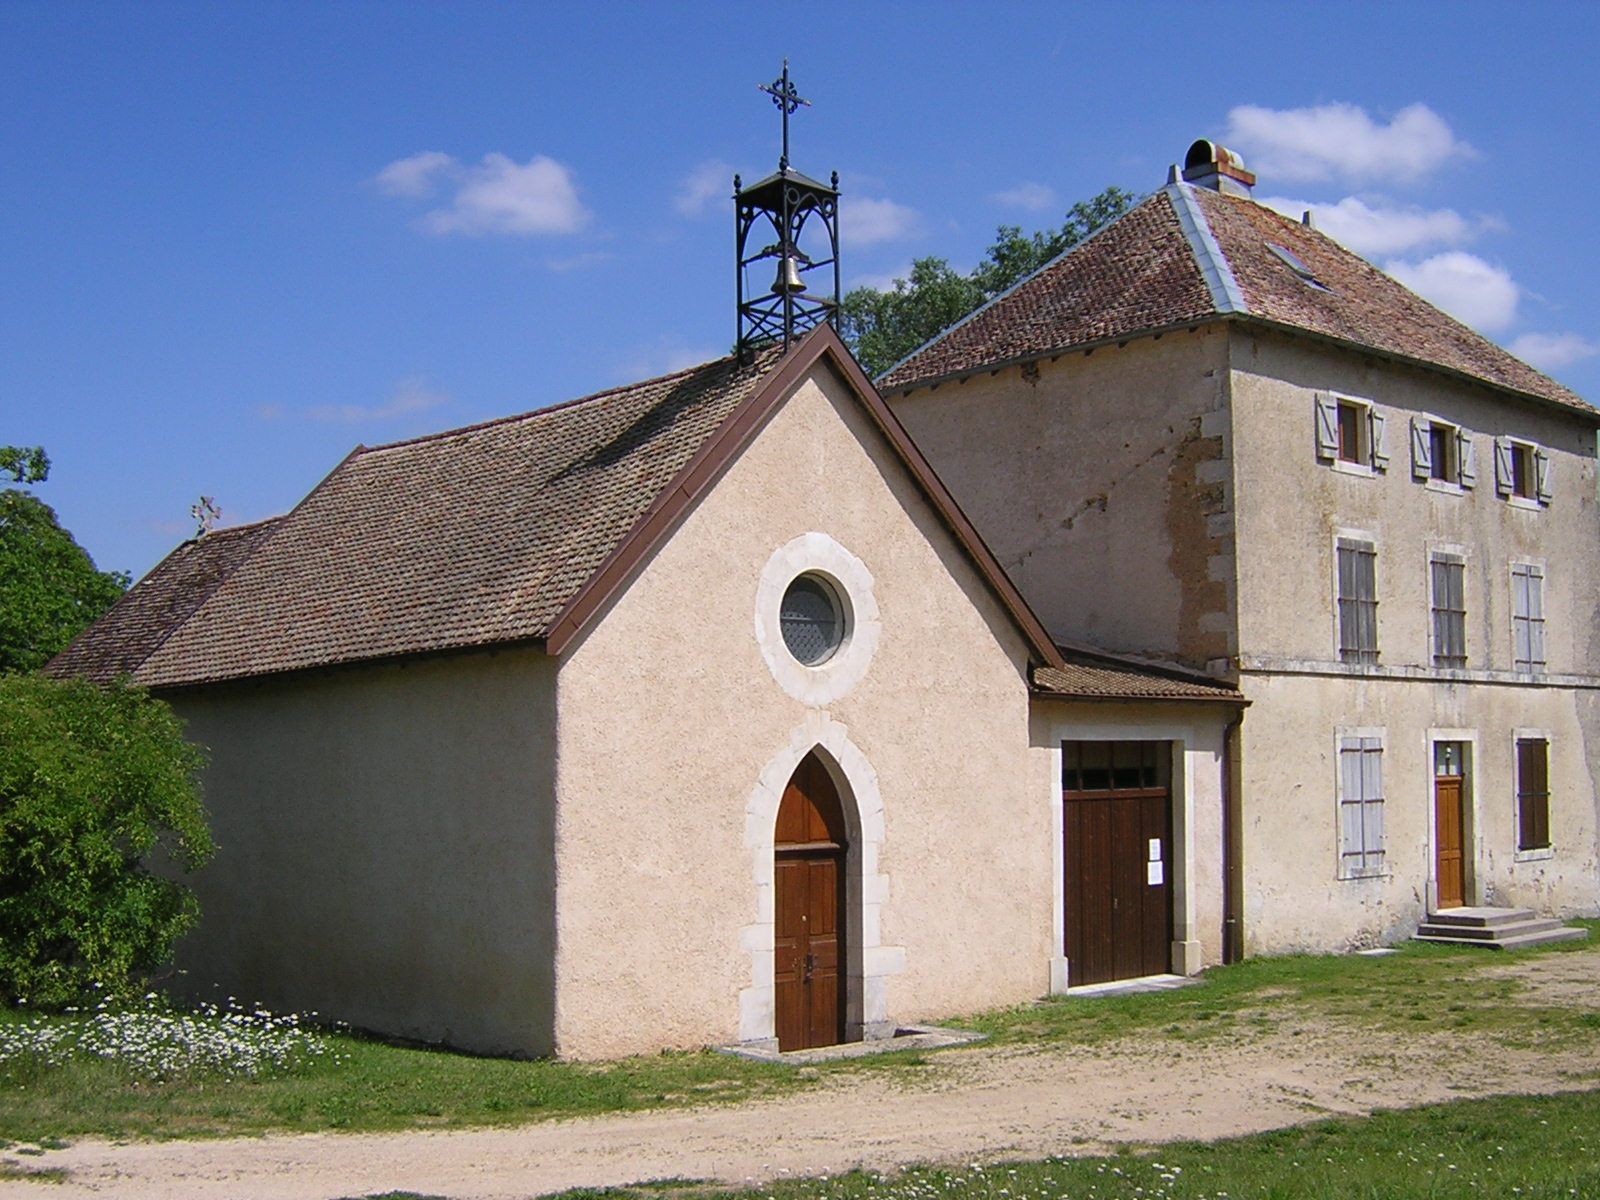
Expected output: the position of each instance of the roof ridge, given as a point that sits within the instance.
(558, 406)
(1215, 269)
(1026, 279)
(241, 527)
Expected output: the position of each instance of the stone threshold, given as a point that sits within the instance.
(906, 1037)
(1131, 987)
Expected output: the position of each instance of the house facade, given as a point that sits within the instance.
(1211, 433)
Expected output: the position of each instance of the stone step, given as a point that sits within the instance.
(1487, 933)
(1480, 917)
(1563, 933)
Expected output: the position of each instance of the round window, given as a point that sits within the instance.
(812, 618)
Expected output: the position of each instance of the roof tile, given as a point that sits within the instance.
(1141, 274)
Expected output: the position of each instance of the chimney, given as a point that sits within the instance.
(1218, 168)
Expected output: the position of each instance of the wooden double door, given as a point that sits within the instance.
(1117, 860)
(809, 951)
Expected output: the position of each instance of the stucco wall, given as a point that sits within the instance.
(1101, 483)
(1290, 505)
(672, 723)
(1294, 899)
(385, 839)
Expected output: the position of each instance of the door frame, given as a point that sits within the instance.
(1187, 746)
(870, 963)
(1468, 738)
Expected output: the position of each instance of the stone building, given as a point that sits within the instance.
(1212, 434)
(691, 712)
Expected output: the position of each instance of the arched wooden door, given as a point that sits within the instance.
(809, 953)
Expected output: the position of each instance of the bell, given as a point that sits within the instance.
(788, 282)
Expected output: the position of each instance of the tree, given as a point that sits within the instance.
(882, 327)
(50, 589)
(94, 783)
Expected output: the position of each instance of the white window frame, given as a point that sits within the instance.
(1358, 538)
(1531, 665)
(1456, 555)
(1372, 449)
(1366, 868)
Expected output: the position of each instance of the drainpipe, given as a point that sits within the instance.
(1232, 847)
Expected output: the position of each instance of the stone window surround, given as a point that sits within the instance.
(1344, 534)
(1186, 949)
(1470, 841)
(869, 962)
(817, 553)
(1537, 853)
(1381, 734)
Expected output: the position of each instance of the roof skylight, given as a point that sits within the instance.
(1293, 262)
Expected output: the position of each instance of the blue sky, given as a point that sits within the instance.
(239, 240)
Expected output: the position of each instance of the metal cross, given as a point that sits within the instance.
(787, 99)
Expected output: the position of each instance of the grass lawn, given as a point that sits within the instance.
(1511, 1147)
(370, 1085)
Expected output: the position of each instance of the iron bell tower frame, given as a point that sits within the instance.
(800, 216)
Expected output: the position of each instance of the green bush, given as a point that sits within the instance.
(94, 782)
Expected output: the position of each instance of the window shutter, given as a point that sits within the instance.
(1327, 427)
(1466, 459)
(1380, 443)
(1541, 474)
(1503, 451)
(1421, 449)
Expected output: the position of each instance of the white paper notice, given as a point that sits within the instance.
(1153, 874)
(1155, 850)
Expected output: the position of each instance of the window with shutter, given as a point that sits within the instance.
(1360, 806)
(1448, 574)
(1533, 794)
(1358, 601)
(1505, 467)
(1527, 617)
(1350, 432)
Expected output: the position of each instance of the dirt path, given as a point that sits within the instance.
(970, 1104)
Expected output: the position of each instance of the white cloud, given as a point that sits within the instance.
(866, 222)
(1032, 197)
(1469, 289)
(1340, 141)
(502, 196)
(410, 396)
(498, 195)
(1381, 227)
(710, 181)
(1552, 351)
(414, 176)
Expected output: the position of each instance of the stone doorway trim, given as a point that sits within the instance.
(871, 963)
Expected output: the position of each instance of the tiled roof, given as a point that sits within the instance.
(1095, 675)
(1147, 271)
(513, 530)
(164, 599)
(471, 537)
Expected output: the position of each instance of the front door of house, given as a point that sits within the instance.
(808, 954)
(1449, 858)
(1117, 860)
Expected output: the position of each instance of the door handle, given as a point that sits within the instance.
(809, 966)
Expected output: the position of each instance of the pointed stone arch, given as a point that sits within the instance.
(870, 963)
